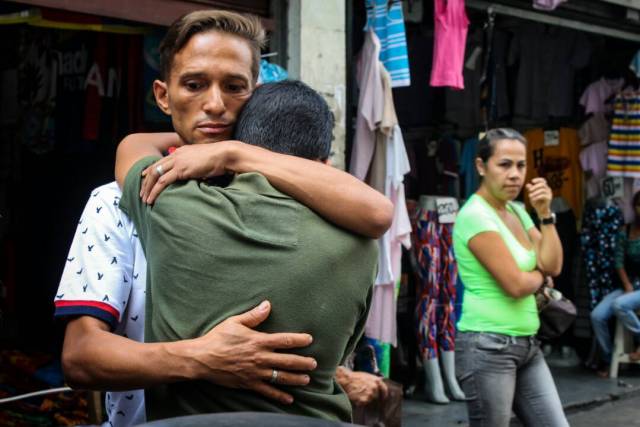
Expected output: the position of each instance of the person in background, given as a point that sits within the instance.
(624, 302)
(503, 259)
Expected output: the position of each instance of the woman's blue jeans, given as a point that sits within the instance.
(624, 306)
(500, 374)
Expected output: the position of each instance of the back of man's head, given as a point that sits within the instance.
(287, 117)
(247, 27)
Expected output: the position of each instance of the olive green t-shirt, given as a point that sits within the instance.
(216, 252)
(486, 306)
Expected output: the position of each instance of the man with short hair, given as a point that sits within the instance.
(214, 252)
(102, 289)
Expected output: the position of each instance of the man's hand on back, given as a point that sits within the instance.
(231, 355)
(234, 355)
(188, 162)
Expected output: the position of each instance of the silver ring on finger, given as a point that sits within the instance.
(274, 377)
(159, 170)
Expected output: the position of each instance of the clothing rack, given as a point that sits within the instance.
(545, 18)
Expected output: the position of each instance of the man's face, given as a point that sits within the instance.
(209, 82)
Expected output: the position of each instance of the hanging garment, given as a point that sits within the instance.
(468, 172)
(451, 25)
(370, 105)
(635, 64)
(381, 323)
(547, 4)
(437, 273)
(388, 24)
(624, 139)
(593, 160)
(595, 129)
(555, 157)
(600, 226)
(499, 105)
(597, 96)
(419, 93)
(462, 107)
(547, 58)
(271, 72)
(377, 176)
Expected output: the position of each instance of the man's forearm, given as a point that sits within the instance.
(139, 145)
(335, 195)
(231, 354)
(101, 360)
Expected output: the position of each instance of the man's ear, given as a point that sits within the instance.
(162, 96)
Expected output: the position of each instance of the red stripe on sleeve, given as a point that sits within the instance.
(102, 306)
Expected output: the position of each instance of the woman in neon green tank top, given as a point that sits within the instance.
(503, 259)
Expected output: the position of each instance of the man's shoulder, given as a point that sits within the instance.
(108, 190)
(103, 207)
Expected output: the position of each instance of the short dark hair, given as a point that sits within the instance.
(636, 198)
(180, 32)
(487, 145)
(287, 117)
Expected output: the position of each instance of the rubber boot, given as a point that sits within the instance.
(433, 382)
(449, 375)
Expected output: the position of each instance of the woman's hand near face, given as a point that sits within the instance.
(540, 196)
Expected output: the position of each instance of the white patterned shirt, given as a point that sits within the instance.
(105, 277)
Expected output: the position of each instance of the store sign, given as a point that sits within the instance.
(612, 187)
(551, 138)
(447, 208)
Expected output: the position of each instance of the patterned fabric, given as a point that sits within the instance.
(388, 25)
(105, 277)
(624, 140)
(598, 243)
(437, 274)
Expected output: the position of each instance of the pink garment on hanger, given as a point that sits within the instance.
(370, 105)
(381, 323)
(451, 24)
(594, 98)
